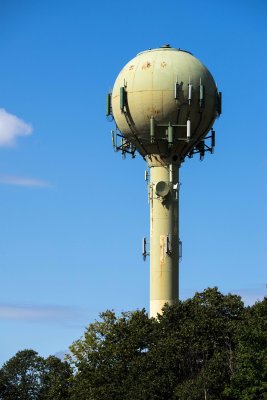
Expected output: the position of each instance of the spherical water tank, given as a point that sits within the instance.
(169, 87)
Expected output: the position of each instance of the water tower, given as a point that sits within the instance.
(164, 103)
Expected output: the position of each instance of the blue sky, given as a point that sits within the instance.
(72, 211)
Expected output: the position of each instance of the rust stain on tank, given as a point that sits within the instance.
(131, 67)
(146, 65)
(152, 111)
(163, 64)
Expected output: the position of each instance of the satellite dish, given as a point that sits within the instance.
(162, 188)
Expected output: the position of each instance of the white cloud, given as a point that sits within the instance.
(23, 181)
(11, 127)
(37, 313)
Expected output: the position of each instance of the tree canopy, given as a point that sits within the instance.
(208, 347)
(27, 376)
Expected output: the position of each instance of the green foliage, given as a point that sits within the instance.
(27, 376)
(209, 347)
(107, 357)
(200, 335)
(189, 352)
(56, 380)
(249, 378)
(20, 377)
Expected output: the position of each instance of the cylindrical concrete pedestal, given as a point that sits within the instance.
(164, 236)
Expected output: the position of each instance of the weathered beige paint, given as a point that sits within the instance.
(149, 80)
(163, 224)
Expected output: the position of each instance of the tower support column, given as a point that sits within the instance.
(164, 236)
